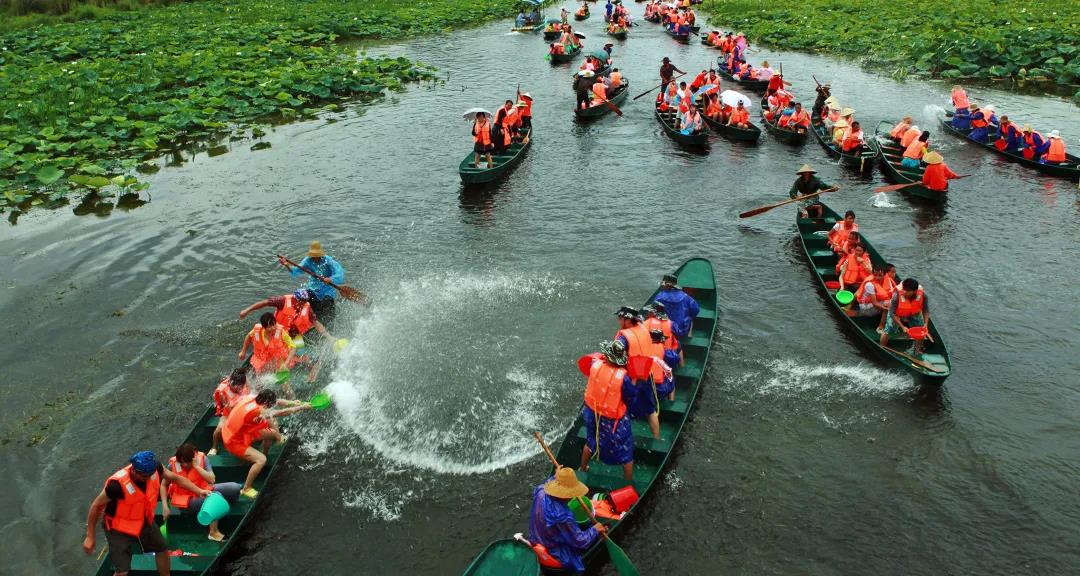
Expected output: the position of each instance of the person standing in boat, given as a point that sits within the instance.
(251, 420)
(583, 88)
(228, 392)
(909, 308)
(127, 505)
(824, 92)
(656, 319)
(808, 183)
(554, 534)
(680, 307)
(327, 270)
(483, 143)
(667, 73)
(605, 415)
(637, 341)
(961, 118)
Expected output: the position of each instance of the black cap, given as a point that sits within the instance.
(669, 279)
(628, 313)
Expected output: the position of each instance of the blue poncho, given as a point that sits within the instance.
(552, 524)
(681, 309)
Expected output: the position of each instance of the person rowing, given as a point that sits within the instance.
(667, 72)
(326, 270)
(605, 415)
(554, 533)
(937, 174)
(805, 183)
(583, 84)
(251, 420)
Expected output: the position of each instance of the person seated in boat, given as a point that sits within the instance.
(713, 79)
(873, 296)
(669, 100)
(912, 134)
(1010, 137)
(230, 390)
(713, 111)
(195, 466)
(891, 281)
(699, 80)
(799, 119)
(937, 174)
(605, 414)
(556, 48)
(534, 16)
(1034, 145)
(897, 131)
(854, 140)
(831, 115)
(1055, 149)
(554, 534)
(685, 98)
(840, 231)
(847, 114)
(982, 120)
(713, 39)
(656, 319)
(740, 117)
(567, 39)
(271, 347)
(691, 17)
(683, 28)
(853, 239)
(839, 130)
(692, 122)
(680, 307)
(961, 105)
(483, 143)
(294, 312)
(583, 83)
(126, 507)
(615, 79)
(913, 153)
(250, 420)
(908, 308)
(583, 11)
(521, 19)
(807, 182)
(853, 267)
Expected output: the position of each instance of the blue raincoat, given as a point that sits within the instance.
(328, 268)
(681, 309)
(552, 524)
(616, 436)
(980, 134)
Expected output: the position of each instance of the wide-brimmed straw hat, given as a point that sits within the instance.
(973, 107)
(847, 111)
(565, 485)
(831, 99)
(315, 250)
(806, 168)
(586, 73)
(841, 123)
(614, 351)
(1027, 128)
(933, 158)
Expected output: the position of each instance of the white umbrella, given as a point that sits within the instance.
(732, 98)
(471, 113)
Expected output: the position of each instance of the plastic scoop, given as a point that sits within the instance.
(282, 376)
(340, 345)
(832, 284)
(844, 297)
(320, 401)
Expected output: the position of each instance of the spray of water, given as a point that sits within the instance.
(789, 378)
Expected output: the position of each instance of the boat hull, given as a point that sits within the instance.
(618, 97)
(504, 164)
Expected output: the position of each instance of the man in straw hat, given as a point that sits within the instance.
(554, 534)
(937, 175)
(667, 72)
(982, 119)
(607, 423)
(1034, 143)
(808, 183)
(326, 270)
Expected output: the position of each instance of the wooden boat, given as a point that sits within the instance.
(620, 35)
(580, 16)
(655, 18)
(862, 161)
(617, 97)
(781, 134)
(528, 29)
(822, 260)
(1069, 169)
(734, 133)
(185, 532)
(504, 163)
(889, 153)
(683, 38)
(755, 85)
(666, 119)
(651, 456)
(504, 558)
(552, 34)
(566, 57)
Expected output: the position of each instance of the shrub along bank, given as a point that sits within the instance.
(81, 105)
(1035, 41)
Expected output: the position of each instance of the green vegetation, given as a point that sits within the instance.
(82, 105)
(1032, 42)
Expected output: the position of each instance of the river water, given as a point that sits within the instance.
(802, 456)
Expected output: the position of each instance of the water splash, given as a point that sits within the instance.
(788, 377)
(880, 200)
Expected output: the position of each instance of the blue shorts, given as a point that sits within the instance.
(616, 438)
(909, 163)
(643, 404)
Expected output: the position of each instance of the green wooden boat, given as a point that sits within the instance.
(734, 133)
(620, 35)
(822, 261)
(697, 278)
(755, 85)
(566, 57)
(1069, 169)
(618, 96)
(667, 119)
(681, 38)
(505, 558)
(584, 16)
(503, 163)
(863, 161)
(889, 153)
(184, 531)
(782, 134)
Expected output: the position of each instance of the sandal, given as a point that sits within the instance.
(250, 493)
(211, 538)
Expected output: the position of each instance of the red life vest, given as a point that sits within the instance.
(670, 343)
(267, 354)
(178, 495)
(136, 507)
(603, 393)
(483, 134)
(981, 121)
(852, 140)
(854, 268)
(526, 111)
(906, 307)
(298, 321)
(225, 398)
(546, 560)
(637, 340)
(880, 290)
(241, 427)
(936, 177)
(1056, 152)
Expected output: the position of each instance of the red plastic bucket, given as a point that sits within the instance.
(917, 332)
(623, 498)
(832, 284)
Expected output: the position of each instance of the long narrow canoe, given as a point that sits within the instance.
(598, 110)
(862, 161)
(734, 133)
(565, 57)
(697, 278)
(185, 532)
(683, 38)
(667, 120)
(503, 163)
(505, 558)
(584, 16)
(822, 261)
(605, 71)
(620, 35)
(655, 18)
(889, 154)
(528, 29)
(755, 85)
(1069, 169)
(782, 134)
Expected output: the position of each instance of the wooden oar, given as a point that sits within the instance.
(622, 562)
(350, 293)
(913, 359)
(658, 85)
(895, 187)
(764, 209)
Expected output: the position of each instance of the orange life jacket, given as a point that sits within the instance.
(225, 398)
(637, 340)
(546, 559)
(603, 393)
(915, 150)
(599, 91)
(960, 99)
(241, 427)
(853, 140)
(800, 118)
(1056, 152)
(137, 505)
(713, 109)
(670, 342)
(740, 116)
(616, 80)
(906, 307)
(882, 291)
(298, 320)
(855, 268)
(909, 136)
(838, 237)
(526, 111)
(899, 130)
(981, 122)
(178, 495)
(267, 354)
(483, 133)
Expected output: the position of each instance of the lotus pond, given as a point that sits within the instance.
(86, 104)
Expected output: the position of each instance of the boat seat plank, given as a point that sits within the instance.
(822, 253)
(706, 313)
(144, 563)
(698, 341)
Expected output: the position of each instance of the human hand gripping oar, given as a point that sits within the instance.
(764, 209)
(348, 292)
(622, 562)
(895, 187)
(658, 85)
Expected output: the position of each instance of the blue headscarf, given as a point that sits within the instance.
(144, 462)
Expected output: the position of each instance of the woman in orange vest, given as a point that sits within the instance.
(127, 505)
(739, 117)
(853, 267)
(482, 142)
(228, 392)
(271, 347)
(981, 121)
(840, 231)
(799, 120)
(873, 295)
(910, 135)
(937, 175)
(853, 139)
(250, 421)
(914, 151)
(712, 107)
(195, 466)
(901, 127)
(908, 309)
(1055, 152)
(607, 423)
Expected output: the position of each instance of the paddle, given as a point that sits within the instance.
(658, 85)
(913, 359)
(764, 209)
(622, 562)
(350, 293)
(895, 187)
